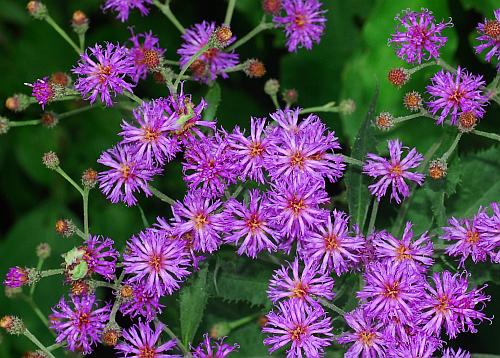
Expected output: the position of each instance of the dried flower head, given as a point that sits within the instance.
(271, 7)
(50, 160)
(79, 22)
(110, 336)
(384, 121)
(18, 102)
(438, 169)
(43, 250)
(290, 96)
(221, 36)
(89, 178)
(398, 76)
(60, 78)
(13, 325)
(347, 106)
(65, 227)
(467, 121)
(37, 9)
(4, 125)
(49, 119)
(271, 87)
(413, 101)
(254, 68)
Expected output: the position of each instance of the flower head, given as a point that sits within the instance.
(456, 93)
(81, 325)
(100, 256)
(489, 38)
(142, 341)
(123, 7)
(418, 36)
(43, 91)
(451, 353)
(16, 277)
(141, 302)
(146, 53)
(103, 71)
(155, 261)
(393, 171)
(304, 23)
(419, 345)
(306, 327)
(209, 349)
(332, 246)
(213, 61)
(126, 176)
(251, 224)
(489, 227)
(305, 285)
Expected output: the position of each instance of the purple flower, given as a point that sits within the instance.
(295, 208)
(209, 165)
(332, 246)
(368, 338)
(419, 345)
(250, 223)
(81, 325)
(43, 91)
(102, 71)
(459, 353)
(151, 141)
(456, 93)
(393, 171)
(449, 304)
(391, 290)
(217, 349)
(146, 53)
(305, 285)
(126, 176)
(213, 61)
(488, 227)
(306, 327)
(142, 341)
(16, 277)
(489, 36)
(197, 215)
(304, 23)
(250, 152)
(417, 254)
(141, 303)
(155, 261)
(418, 37)
(100, 256)
(123, 7)
(468, 241)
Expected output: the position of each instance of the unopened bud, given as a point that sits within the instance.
(89, 178)
(272, 87)
(4, 125)
(254, 68)
(50, 160)
(413, 101)
(13, 292)
(271, 7)
(65, 227)
(221, 37)
(437, 169)
(347, 107)
(18, 102)
(126, 292)
(37, 354)
(467, 121)
(220, 329)
(262, 321)
(198, 68)
(111, 335)
(13, 325)
(79, 22)
(151, 59)
(37, 9)
(43, 251)
(384, 121)
(398, 76)
(60, 78)
(80, 288)
(290, 96)
(49, 119)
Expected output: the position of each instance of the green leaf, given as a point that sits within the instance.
(193, 299)
(480, 355)
(357, 184)
(213, 98)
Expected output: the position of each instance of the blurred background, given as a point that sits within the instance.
(350, 62)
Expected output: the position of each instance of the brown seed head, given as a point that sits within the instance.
(437, 169)
(398, 76)
(413, 101)
(254, 68)
(384, 121)
(467, 121)
(271, 6)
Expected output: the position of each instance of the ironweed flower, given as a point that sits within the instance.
(123, 7)
(146, 53)
(100, 256)
(141, 302)
(43, 91)
(489, 38)
(209, 349)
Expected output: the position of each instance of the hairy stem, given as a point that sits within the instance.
(32, 122)
(39, 344)
(493, 136)
(229, 12)
(259, 28)
(133, 97)
(63, 34)
(172, 335)
(165, 9)
(161, 196)
(446, 155)
(373, 216)
(328, 107)
(331, 306)
(68, 178)
(351, 160)
(189, 63)
(85, 196)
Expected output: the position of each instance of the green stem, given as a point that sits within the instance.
(259, 28)
(165, 9)
(446, 155)
(71, 181)
(52, 272)
(74, 111)
(32, 122)
(190, 62)
(242, 321)
(442, 63)
(172, 335)
(419, 67)
(331, 306)
(236, 68)
(229, 12)
(351, 160)
(329, 107)
(143, 217)
(118, 301)
(55, 346)
(80, 233)
(274, 98)
(63, 34)
(85, 197)
(39, 344)
(133, 97)
(373, 216)
(81, 41)
(37, 310)
(104, 284)
(38, 268)
(161, 196)
(406, 118)
(493, 136)
(170, 62)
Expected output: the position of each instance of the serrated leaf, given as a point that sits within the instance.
(213, 98)
(193, 299)
(357, 184)
(248, 288)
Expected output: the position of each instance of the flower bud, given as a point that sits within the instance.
(80, 288)
(13, 292)
(384, 121)
(111, 335)
(467, 121)
(18, 102)
(16, 277)
(43, 251)
(438, 169)
(13, 325)
(413, 101)
(398, 76)
(262, 321)
(221, 36)
(37, 354)
(60, 78)
(272, 87)
(65, 227)
(37, 9)
(126, 292)
(198, 68)
(50, 160)
(254, 68)
(220, 329)
(347, 106)
(4, 125)
(271, 7)
(492, 29)
(290, 96)
(49, 119)
(79, 22)
(89, 178)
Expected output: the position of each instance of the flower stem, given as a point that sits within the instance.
(36, 309)
(328, 107)
(39, 344)
(172, 335)
(351, 160)
(32, 122)
(493, 136)
(190, 62)
(419, 67)
(38, 268)
(52, 272)
(331, 306)
(242, 321)
(165, 9)
(71, 181)
(229, 12)
(373, 216)
(446, 155)
(133, 97)
(161, 196)
(63, 34)
(406, 118)
(85, 197)
(443, 64)
(81, 41)
(74, 111)
(118, 301)
(274, 98)
(259, 28)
